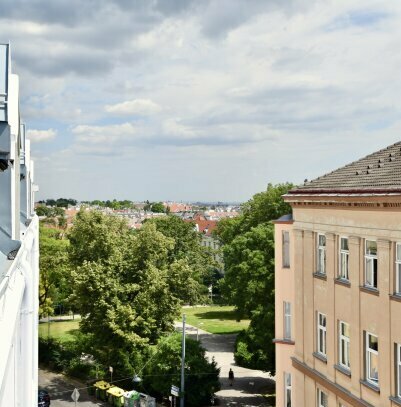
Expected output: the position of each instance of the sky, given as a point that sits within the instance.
(208, 100)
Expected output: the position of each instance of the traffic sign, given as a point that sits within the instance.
(75, 395)
(175, 391)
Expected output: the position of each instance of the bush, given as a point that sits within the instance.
(54, 354)
(250, 353)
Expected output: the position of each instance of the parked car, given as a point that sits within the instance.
(43, 398)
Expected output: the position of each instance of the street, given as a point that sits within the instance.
(248, 383)
(60, 389)
(245, 392)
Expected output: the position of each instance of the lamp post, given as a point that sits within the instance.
(183, 363)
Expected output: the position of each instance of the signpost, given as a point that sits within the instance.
(175, 391)
(75, 396)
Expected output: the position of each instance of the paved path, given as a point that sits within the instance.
(60, 389)
(248, 383)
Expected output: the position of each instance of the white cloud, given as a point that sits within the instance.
(109, 134)
(142, 107)
(292, 86)
(38, 136)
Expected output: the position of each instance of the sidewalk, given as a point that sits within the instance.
(248, 383)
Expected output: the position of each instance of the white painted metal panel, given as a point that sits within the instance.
(4, 70)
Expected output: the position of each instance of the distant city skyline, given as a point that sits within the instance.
(188, 101)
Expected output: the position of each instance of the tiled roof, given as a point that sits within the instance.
(379, 172)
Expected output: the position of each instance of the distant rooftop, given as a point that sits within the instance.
(379, 172)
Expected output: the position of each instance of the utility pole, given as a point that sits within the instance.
(183, 363)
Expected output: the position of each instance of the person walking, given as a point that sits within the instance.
(231, 377)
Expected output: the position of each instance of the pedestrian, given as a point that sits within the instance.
(231, 377)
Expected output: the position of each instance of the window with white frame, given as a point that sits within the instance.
(344, 258)
(344, 345)
(371, 264)
(287, 389)
(398, 268)
(372, 358)
(398, 370)
(286, 249)
(321, 334)
(322, 399)
(321, 253)
(287, 320)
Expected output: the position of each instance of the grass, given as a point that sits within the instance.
(61, 330)
(215, 319)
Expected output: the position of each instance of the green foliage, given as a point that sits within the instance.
(158, 207)
(96, 237)
(49, 212)
(114, 204)
(192, 265)
(128, 285)
(248, 251)
(122, 286)
(61, 202)
(54, 284)
(163, 370)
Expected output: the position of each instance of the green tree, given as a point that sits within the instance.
(96, 237)
(158, 207)
(54, 284)
(163, 370)
(121, 283)
(196, 267)
(248, 252)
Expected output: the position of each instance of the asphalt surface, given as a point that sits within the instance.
(246, 390)
(60, 389)
(248, 384)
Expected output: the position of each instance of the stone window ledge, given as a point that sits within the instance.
(395, 400)
(369, 290)
(320, 357)
(283, 341)
(321, 276)
(395, 297)
(343, 370)
(370, 385)
(343, 282)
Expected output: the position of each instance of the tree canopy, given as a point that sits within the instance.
(248, 251)
(54, 285)
(163, 370)
(129, 285)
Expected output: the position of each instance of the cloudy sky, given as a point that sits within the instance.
(201, 100)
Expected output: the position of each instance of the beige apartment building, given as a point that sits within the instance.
(338, 288)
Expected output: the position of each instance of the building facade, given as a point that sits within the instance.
(19, 251)
(284, 309)
(346, 239)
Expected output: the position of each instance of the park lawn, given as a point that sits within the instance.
(215, 319)
(61, 330)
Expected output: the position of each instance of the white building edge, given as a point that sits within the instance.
(19, 251)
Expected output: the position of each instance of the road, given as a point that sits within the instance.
(248, 383)
(60, 389)
(245, 392)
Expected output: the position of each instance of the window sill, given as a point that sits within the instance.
(343, 370)
(395, 400)
(341, 281)
(321, 276)
(320, 357)
(284, 341)
(395, 297)
(370, 386)
(369, 290)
